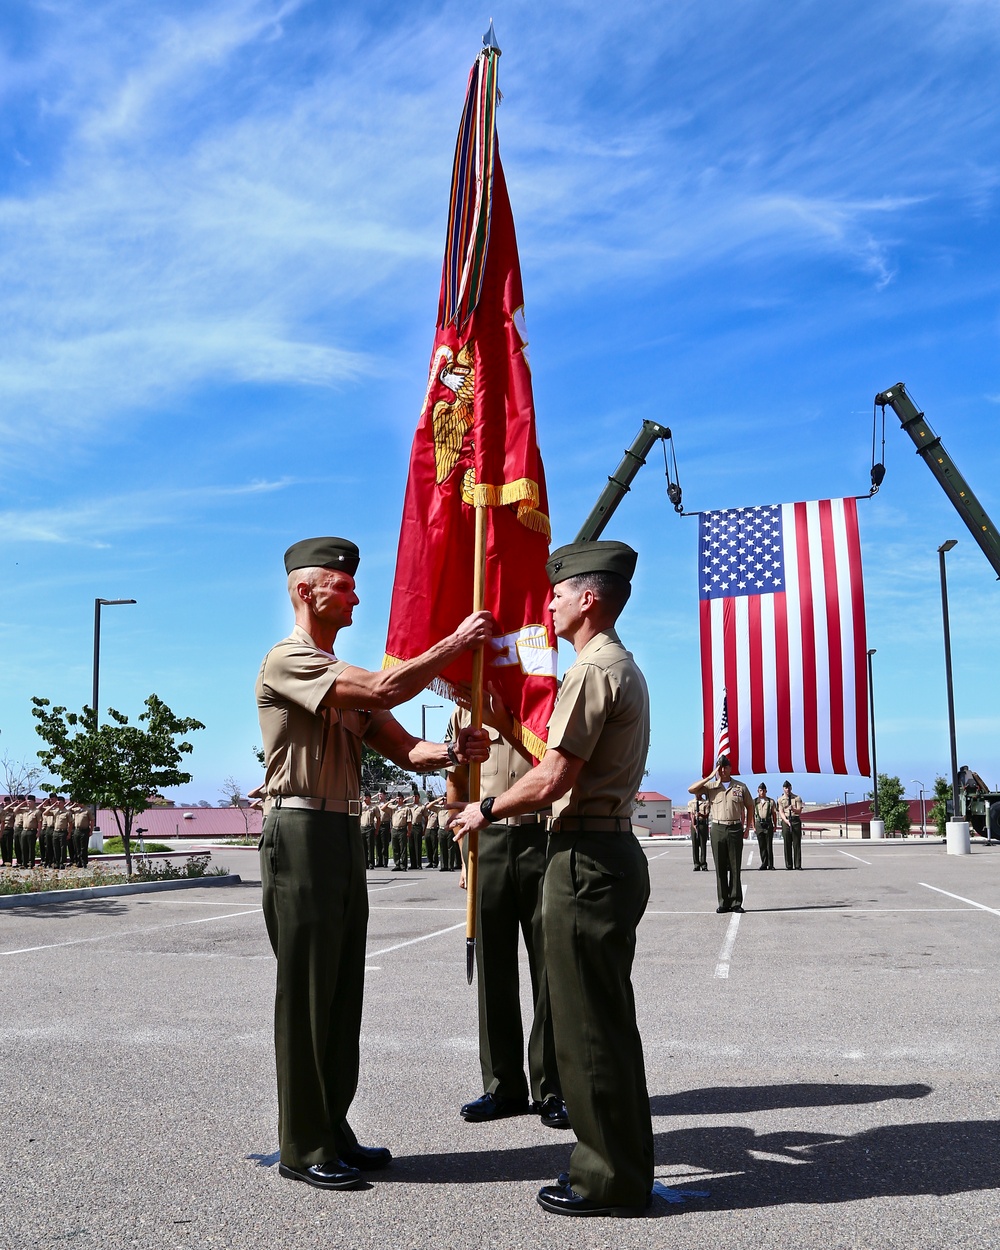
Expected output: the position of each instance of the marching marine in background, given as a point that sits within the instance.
(732, 815)
(315, 713)
(790, 815)
(764, 812)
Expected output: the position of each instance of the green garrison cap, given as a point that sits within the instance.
(323, 553)
(593, 557)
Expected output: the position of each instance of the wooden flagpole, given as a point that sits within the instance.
(472, 848)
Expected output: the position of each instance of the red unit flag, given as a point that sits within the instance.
(783, 642)
(475, 445)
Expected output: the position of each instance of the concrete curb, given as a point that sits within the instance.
(108, 891)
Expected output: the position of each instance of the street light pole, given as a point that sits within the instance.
(423, 722)
(947, 546)
(923, 814)
(871, 708)
(98, 604)
(846, 793)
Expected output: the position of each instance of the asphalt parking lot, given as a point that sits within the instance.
(823, 1070)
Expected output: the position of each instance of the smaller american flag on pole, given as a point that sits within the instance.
(723, 747)
(783, 643)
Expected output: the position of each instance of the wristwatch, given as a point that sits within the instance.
(486, 807)
(453, 754)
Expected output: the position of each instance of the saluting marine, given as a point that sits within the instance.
(731, 810)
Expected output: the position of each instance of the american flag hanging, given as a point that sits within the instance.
(783, 641)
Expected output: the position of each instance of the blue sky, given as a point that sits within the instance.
(221, 227)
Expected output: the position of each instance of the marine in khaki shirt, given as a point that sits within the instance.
(511, 867)
(596, 883)
(731, 814)
(315, 710)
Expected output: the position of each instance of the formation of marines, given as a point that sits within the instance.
(411, 827)
(54, 833)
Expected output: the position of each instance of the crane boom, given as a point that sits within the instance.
(931, 450)
(619, 483)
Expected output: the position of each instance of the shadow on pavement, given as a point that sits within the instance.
(891, 1161)
(738, 1100)
(894, 1160)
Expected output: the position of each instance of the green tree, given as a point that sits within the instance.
(378, 773)
(892, 807)
(115, 765)
(939, 810)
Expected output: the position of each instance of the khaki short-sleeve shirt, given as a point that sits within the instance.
(310, 751)
(505, 765)
(401, 816)
(727, 805)
(602, 716)
(788, 807)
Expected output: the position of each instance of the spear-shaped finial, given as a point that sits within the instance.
(490, 39)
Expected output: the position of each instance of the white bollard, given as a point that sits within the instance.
(96, 843)
(877, 830)
(956, 834)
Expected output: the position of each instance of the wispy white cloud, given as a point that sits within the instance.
(180, 238)
(100, 518)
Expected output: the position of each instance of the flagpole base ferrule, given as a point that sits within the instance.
(470, 958)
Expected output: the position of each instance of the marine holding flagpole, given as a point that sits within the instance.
(596, 883)
(315, 712)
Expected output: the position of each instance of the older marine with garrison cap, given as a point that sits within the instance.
(315, 712)
(596, 883)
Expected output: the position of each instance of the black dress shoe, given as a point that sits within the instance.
(552, 1112)
(737, 908)
(366, 1158)
(493, 1107)
(720, 910)
(562, 1200)
(334, 1174)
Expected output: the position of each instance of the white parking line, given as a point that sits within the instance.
(381, 889)
(972, 902)
(413, 941)
(660, 856)
(726, 954)
(154, 928)
(857, 857)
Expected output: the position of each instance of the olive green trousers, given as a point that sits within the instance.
(594, 893)
(511, 867)
(315, 900)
